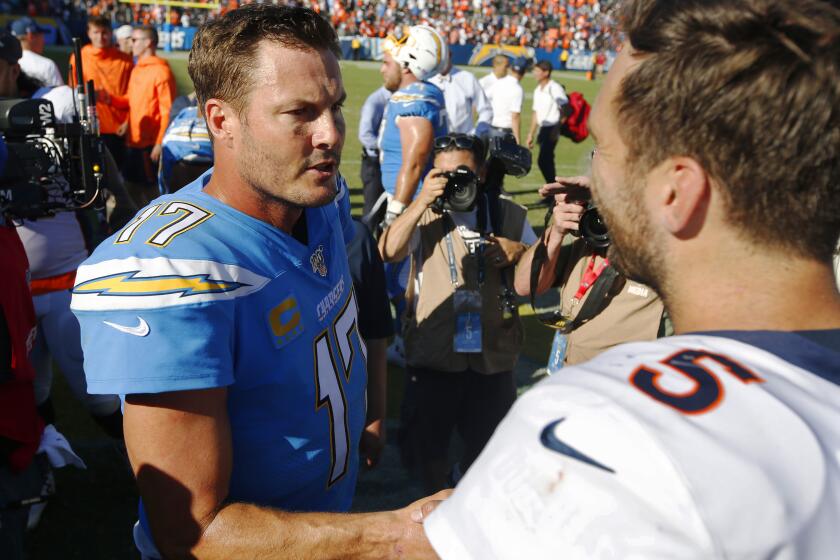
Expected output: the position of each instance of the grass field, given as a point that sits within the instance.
(92, 513)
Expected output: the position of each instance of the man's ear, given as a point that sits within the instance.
(16, 70)
(222, 121)
(682, 195)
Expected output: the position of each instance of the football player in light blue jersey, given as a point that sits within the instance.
(414, 116)
(225, 315)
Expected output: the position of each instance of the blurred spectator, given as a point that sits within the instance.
(501, 63)
(109, 68)
(549, 101)
(506, 99)
(187, 151)
(371, 118)
(461, 328)
(123, 36)
(151, 90)
(464, 98)
(31, 37)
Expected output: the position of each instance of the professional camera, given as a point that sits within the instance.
(593, 230)
(515, 159)
(461, 191)
(51, 166)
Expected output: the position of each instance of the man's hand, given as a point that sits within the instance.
(570, 197)
(156, 152)
(433, 186)
(530, 141)
(502, 252)
(423, 508)
(372, 443)
(122, 129)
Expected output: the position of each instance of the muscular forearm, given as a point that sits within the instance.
(548, 271)
(407, 180)
(249, 531)
(393, 244)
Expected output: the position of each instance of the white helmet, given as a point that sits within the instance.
(423, 51)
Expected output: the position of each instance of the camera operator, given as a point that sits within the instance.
(629, 311)
(55, 246)
(461, 328)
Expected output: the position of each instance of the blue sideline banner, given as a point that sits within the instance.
(175, 38)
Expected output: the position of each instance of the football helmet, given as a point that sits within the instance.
(422, 50)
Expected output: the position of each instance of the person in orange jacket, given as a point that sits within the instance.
(151, 90)
(109, 68)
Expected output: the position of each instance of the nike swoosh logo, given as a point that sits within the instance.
(550, 440)
(142, 328)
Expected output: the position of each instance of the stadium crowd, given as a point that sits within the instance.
(549, 24)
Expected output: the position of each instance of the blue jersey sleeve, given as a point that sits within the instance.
(157, 350)
(158, 323)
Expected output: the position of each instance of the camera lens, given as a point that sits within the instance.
(593, 229)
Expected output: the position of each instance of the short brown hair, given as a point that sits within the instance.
(224, 51)
(545, 66)
(99, 21)
(151, 33)
(751, 90)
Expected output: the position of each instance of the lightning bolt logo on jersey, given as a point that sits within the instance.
(230, 301)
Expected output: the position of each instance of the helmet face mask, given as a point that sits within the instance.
(423, 51)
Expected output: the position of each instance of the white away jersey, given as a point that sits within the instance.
(689, 447)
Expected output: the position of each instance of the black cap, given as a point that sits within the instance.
(10, 50)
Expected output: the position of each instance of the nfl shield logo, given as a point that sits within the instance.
(319, 264)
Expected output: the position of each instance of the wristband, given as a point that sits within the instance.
(395, 207)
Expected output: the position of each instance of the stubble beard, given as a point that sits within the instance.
(634, 250)
(265, 177)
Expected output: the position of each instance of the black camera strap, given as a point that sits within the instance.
(599, 291)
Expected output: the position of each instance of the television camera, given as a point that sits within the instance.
(51, 166)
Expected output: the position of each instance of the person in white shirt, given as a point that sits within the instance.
(501, 63)
(31, 37)
(549, 103)
(722, 442)
(464, 98)
(506, 101)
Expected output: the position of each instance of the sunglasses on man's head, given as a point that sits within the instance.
(464, 142)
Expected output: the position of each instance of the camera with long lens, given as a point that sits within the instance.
(51, 166)
(461, 191)
(593, 230)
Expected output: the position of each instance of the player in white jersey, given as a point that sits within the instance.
(723, 441)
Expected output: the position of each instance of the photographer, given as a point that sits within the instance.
(628, 312)
(461, 328)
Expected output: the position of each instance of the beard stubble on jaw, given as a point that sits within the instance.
(634, 250)
(279, 184)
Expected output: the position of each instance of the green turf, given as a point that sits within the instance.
(362, 78)
(91, 516)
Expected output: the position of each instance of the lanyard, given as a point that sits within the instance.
(450, 253)
(589, 276)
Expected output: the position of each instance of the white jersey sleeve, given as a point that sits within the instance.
(687, 447)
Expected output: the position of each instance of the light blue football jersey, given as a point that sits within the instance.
(193, 294)
(420, 99)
